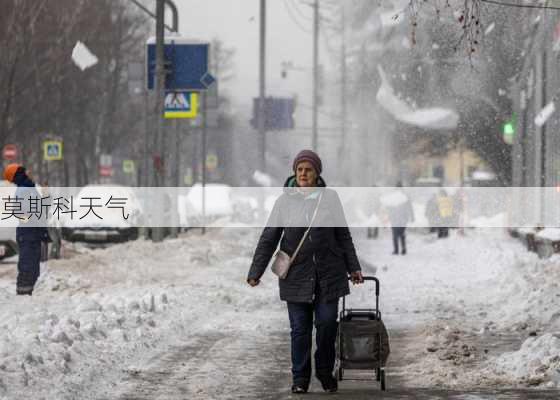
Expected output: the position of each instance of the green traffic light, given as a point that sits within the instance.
(509, 129)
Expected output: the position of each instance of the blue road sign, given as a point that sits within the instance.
(186, 63)
(279, 113)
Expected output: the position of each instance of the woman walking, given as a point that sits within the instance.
(318, 274)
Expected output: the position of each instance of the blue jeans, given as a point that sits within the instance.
(301, 323)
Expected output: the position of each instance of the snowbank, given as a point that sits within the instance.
(497, 221)
(537, 362)
(103, 313)
(480, 309)
(549, 233)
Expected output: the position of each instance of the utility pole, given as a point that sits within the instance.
(204, 155)
(343, 82)
(262, 87)
(314, 142)
(157, 232)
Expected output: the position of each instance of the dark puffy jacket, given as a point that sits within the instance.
(34, 230)
(327, 256)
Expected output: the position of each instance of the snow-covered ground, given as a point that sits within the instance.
(466, 301)
(100, 316)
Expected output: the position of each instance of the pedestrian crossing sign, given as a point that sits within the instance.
(128, 166)
(52, 150)
(181, 105)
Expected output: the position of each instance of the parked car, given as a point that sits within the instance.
(8, 244)
(113, 227)
(217, 201)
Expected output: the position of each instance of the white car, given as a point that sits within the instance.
(113, 227)
(217, 203)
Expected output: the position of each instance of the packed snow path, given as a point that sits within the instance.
(176, 320)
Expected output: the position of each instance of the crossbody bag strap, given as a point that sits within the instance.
(293, 257)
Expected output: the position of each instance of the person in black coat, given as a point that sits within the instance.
(318, 276)
(29, 234)
(400, 215)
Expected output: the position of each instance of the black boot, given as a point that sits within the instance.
(329, 383)
(24, 290)
(299, 389)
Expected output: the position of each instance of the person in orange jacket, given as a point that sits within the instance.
(28, 236)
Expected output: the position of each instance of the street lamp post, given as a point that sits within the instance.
(314, 142)
(262, 86)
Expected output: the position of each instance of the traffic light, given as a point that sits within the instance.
(508, 130)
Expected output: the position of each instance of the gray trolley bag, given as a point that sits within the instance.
(363, 341)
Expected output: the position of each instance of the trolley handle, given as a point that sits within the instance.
(366, 278)
(370, 278)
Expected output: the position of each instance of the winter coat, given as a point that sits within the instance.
(432, 212)
(321, 268)
(33, 230)
(402, 214)
(445, 209)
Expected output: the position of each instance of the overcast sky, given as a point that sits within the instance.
(236, 23)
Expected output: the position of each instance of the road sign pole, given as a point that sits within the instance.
(47, 172)
(157, 232)
(146, 162)
(262, 87)
(174, 230)
(314, 141)
(204, 151)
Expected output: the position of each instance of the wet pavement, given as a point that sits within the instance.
(256, 365)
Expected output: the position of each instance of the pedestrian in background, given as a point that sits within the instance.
(445, 210)
(432, 213)
(29, 235)
(400, 215)
(318, 276)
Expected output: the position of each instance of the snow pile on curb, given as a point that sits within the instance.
(549, 233)
(96, 318)
(468, 304)
(531, 290)
(66, 344)
(536, 363)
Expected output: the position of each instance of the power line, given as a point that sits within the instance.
(506, 4)
(294, 19)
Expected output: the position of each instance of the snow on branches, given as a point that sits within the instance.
(465, 12)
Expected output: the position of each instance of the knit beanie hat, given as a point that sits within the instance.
(312, 157)
(10, 172)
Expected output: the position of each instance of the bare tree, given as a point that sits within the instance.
(42, 93)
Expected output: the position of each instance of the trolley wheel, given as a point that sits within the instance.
(340, 373)
(378, 374)
(382, 376)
